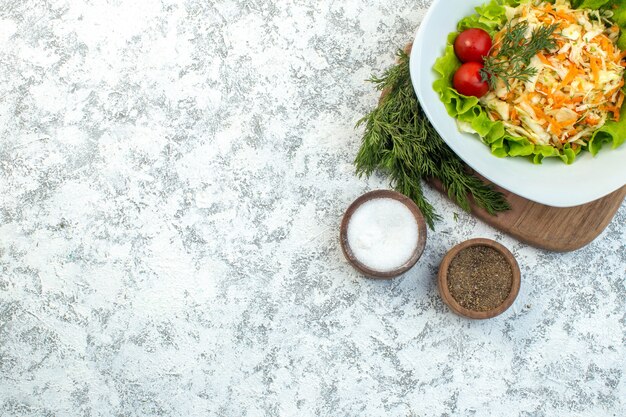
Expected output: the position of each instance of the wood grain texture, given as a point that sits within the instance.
(552, 228)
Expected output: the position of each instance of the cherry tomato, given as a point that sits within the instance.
(472, 45)
(468, 81)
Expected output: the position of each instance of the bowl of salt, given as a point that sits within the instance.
(383, 234)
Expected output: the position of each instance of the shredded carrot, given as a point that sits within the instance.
(566, 123)
(594, 69)
(565, 16)
(555, 129)
(605, 43)
(543, 59)
(553, 124)
(559, 99)
(567, 86)
(598, 100)
(616, 89)
(542, 88)
(571, 74)
(539, 112)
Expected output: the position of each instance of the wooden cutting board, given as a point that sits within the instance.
(551, 228)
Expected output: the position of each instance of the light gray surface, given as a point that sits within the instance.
(172, 178)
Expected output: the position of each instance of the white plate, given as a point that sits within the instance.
(552, 183)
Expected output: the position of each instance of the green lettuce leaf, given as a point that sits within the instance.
(489, 17)
(468, 111)
(590, 4)
(612, 132)
(619, 12)
(618, 7)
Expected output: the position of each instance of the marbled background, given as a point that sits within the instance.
(172, 178)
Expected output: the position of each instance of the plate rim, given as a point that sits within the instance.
(415, 66)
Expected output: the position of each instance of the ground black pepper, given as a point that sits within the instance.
(480, 278)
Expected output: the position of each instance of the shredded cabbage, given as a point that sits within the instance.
(530, 141)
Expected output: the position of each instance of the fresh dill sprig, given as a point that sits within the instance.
(514, 52)
(400, 142)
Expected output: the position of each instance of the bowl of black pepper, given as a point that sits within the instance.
(479, 279)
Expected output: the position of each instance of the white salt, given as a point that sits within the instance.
(383, 234)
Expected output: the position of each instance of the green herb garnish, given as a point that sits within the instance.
(514, 52)
(400, 142)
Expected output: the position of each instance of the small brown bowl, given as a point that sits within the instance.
(421, 240)
(444, 291)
